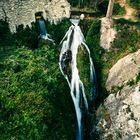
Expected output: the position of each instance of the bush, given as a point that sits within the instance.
(5, 35)
(34, 102)
(135, 4)
(93, 40)
(82, 3)
(27, 36)
(58, 31)
(102, 7)
(127, 36)
(118, 10)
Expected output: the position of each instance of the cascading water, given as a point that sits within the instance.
(43, 31)
(72, 40)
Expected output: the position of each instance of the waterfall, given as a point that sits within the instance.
(72, 40)
(43, 30)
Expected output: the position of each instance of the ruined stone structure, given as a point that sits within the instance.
(23, 11)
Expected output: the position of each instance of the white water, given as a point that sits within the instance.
(77, 90)
(43, 31)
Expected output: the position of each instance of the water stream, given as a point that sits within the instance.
(72, 40)
(43, 30)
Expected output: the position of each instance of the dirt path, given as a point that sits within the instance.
(130, 12)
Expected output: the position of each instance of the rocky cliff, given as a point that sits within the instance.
(119, 116)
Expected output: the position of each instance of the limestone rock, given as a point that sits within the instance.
(107, 33)
(124, 70)
(124, 113)
(122, 106)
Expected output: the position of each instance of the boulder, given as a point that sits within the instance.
(124, 70)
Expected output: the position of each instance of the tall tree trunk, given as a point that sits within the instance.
(110, 9)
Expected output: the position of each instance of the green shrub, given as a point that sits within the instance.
(5, 35)
(138, 78)
(135, 4)
(34, 102)
(27, 36)
(127, 36)
(93, 41)
(58, 31)
(103, 5)
(82, 3)
(131, 83)
(118, 10)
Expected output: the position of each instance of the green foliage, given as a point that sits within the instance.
(27, 36)
(93, 40)
(138, 78)
(127, 41)
(102, 6)
(118, 10)
(134, 81)
(127, 36)
(82, 3)
(5, 35)
(85, 26)
(58, 31)
(135, 4)
(131, 83)
(34, 102)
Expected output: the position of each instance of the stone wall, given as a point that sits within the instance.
(23, 11)
(56, 9)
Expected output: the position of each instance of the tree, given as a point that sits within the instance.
(110, 9)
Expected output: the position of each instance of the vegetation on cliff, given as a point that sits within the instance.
(34, 97)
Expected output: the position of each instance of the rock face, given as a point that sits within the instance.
(23, 11)
(120, 118)
(107, 33)
(123, 109)
(124, 70)
(56, 9)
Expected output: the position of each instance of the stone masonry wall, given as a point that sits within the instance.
(23, 11)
